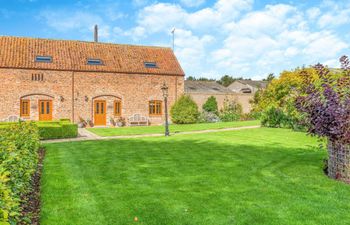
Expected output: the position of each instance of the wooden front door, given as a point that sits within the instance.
(100, 113)
(45, 110)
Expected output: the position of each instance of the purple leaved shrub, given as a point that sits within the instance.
(326, 104)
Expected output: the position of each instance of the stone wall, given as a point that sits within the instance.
(243, 99)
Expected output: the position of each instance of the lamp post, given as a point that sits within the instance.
(165, 95)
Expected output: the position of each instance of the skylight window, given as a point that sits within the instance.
(45, 59)
(151, 65)
(94, 62)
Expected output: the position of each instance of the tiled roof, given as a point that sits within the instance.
(205, 87)
(18, 52)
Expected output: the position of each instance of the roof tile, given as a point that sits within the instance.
(19, 52)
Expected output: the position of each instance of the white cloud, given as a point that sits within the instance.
(291, 51)
(340, 17)
(191, 49)
(160, 17)
(232, 8)
(228, 37)
(273, 19)
(324, 45)
(337, 13)
(276, 36)
(331, 63)
(313, 13)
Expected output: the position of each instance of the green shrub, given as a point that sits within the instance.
(211, 105)
(184, 111)
(52, 129)
(19, 144)
(57, 130)
(274, 117)
(232, 111)
(65, 120)
(251, 116)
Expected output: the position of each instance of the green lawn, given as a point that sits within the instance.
(123, 131)
(256, 176)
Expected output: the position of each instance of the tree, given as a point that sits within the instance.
(281, 94)
(226, 80)
(211, 105)
(184, 111)
(269, 78)
(191, 78)
(326, 106)
(205, 79)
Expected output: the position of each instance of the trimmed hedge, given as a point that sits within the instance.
(56, 131)
(52, 129)
(19, 144)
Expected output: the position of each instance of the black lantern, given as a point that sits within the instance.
(165, 91)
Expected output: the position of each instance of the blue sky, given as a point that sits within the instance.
(212, 38)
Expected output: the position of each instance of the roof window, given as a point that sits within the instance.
(46, 59)
(150, 65)
(94, 62)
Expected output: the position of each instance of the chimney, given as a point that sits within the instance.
(96, 33)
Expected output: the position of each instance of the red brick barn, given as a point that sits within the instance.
(44, 79)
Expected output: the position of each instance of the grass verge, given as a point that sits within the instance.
(174, 128)
(258, 176)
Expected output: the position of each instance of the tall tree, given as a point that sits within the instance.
(205, 79)
(270, 77)
(190, 78)
(226, 80)
(211, 105)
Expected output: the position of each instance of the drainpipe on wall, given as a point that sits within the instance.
(175, 88)
(73, 119)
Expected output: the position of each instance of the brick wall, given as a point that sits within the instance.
(134, 90)
(17, 84)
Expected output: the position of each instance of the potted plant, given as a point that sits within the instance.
(89, 123)
(112, 123)
(121, 121)
(82, 123)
